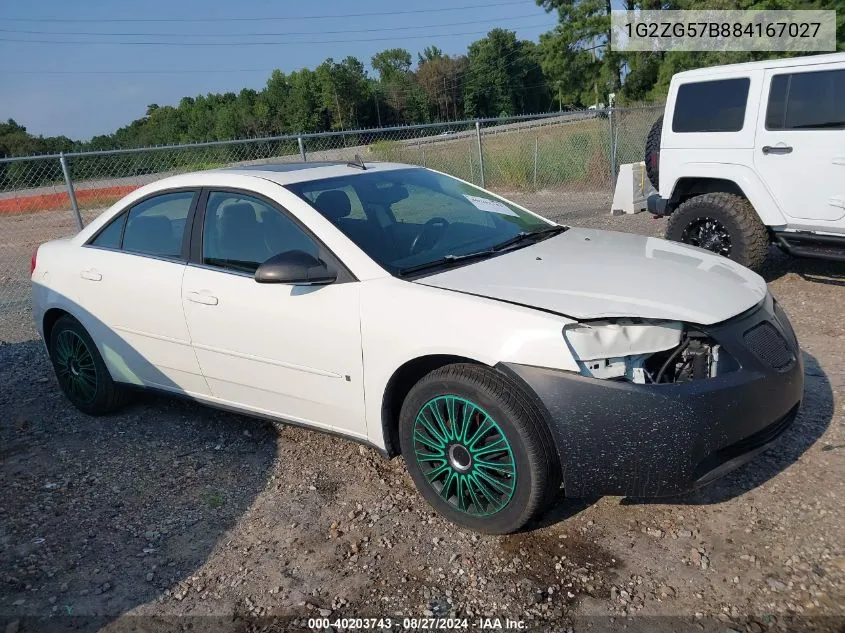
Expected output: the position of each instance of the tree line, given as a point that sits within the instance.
(499, 75)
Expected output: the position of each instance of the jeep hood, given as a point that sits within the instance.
(591, 274)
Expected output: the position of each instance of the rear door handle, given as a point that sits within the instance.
(777, 149)
(91, 274)
(203, 298)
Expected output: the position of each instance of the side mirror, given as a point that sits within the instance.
(295, 267)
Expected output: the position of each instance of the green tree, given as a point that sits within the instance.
(344, 92)
(392, 64)
(504, 77)
(440, 79)
(305, 111)
(429, 53)
(397, 95)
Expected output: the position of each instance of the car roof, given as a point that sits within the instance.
(733, 69)
(288, 173)
(279, 173)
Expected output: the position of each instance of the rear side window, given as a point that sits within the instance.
(807, 101)
(109, 237)
(156, 226)
(711, 106)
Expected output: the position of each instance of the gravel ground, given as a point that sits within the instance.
(174, 509)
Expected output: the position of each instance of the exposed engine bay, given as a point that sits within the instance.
(677, 353)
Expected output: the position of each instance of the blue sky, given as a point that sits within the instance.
(81, 89)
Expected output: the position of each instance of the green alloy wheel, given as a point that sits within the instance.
(464, 455)
(82, 375)
(75, 367)
(478, 449)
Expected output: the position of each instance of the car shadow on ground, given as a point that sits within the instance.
(103, 514)
(819, 271)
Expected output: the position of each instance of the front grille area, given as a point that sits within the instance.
(769, 346)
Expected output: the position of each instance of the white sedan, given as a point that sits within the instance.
(504, 356)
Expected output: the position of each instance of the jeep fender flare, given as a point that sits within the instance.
(744, 178)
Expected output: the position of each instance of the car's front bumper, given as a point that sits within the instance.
(620, 438)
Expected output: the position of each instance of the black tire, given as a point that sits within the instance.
(480, 394)
(747, 236)
(652, 153)
(83, 376)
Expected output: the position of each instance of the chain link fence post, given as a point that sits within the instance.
(471, 166)
(73, 203)
(613, 148)
(536, 157)
(301, 149)
(480, 152)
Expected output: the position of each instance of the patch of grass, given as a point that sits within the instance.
(216, 500)
(572, 153)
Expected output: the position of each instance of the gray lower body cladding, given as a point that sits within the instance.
(619, 438)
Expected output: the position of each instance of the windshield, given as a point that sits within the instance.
(406, 218)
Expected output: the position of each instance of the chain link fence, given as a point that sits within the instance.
(555, 164)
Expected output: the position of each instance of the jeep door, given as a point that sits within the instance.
(800, 143)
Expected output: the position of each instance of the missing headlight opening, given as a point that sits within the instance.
(695, 357)
(698, 357)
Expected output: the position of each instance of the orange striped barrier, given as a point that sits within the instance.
(104, 196)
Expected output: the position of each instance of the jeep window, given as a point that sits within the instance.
(711, 106)
(807, 101)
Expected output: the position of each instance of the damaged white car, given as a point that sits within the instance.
(502, 355)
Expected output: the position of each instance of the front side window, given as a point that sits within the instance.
(410, 217)
(156, 226)
(711, 106)
(807, 101)
(241, 232)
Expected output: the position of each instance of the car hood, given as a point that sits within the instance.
(591, 274)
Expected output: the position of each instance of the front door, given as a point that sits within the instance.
(285, 350)
(800, 143)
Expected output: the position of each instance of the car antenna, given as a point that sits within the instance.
(358, 163)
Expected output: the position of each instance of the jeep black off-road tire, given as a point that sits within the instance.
(652, 153)
(724, 223)
(478, 448)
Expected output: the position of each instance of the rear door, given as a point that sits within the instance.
(128, 287)
(800, 144)
(287, 350)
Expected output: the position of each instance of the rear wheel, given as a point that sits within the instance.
(478, 449)
(80, 370)
(723, 223)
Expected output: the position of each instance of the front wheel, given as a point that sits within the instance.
(478, 449)
(723, 223)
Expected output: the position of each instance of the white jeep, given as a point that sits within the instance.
(752, 154)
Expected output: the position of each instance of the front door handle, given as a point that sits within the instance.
(91, 275)
(777, 149)
(203, 298)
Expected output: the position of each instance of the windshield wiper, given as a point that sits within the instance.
(534, 236)
(498, 248)
(445, 261)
